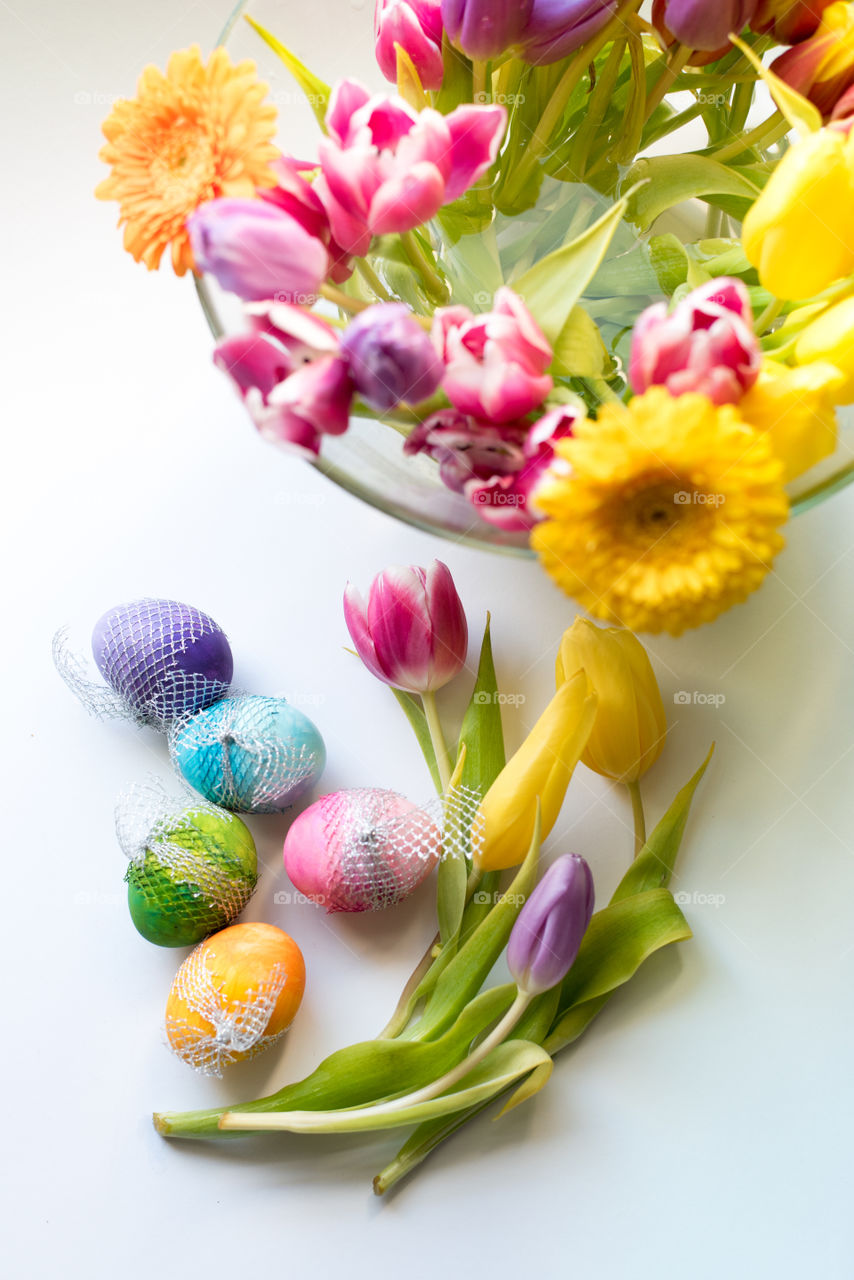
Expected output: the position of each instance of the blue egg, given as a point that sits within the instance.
(249, 753)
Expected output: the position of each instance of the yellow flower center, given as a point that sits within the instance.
(650, 509)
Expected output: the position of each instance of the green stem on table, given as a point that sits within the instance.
(343, 300)
(308, 1122)
(403, 1010)
(637, 815)
(767, 133)
(432, 281)
(437, 737)
(538, 143)
(372, 280)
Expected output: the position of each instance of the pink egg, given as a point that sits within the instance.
(361, 850)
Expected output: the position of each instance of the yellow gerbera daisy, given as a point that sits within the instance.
(194, 134)
(662, 514)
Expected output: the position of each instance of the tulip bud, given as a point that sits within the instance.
(486, 28)
(412, 634)
(701, 25)
(798, 231)
(829, 339)
(391, 357)
(706, 344)
(551, 925)
(629, 729)
(557, 28)
(257, 251)
(822, 67)
(788, 21)
(415, 25)
(540, 771)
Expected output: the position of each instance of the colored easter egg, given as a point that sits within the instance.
(361, 850)
(192, 878)
(234, 996)
(164, 659)
(249, 753)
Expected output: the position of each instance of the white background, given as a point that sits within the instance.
(703, 1126)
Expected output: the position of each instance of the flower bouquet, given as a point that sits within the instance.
(486, 264)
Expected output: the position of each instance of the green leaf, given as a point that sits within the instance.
(654, 864)
(316, 90)
(669, 260)
(452, 878)
(505, 1065)
(579, 351)
(456, 79)
(618, 940)
(553, 286)
(465, 974)
(415, 715)
(798, 110)
(669, 180)
(481, 733)
(362, 1073)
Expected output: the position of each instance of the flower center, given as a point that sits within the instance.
(652, 509)
(182, 163)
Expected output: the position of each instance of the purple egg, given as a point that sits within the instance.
(163, 658)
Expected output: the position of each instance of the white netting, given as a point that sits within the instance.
(160, 832)
(380, 851)
(238, 757)
(146, 651)
(236, 1029)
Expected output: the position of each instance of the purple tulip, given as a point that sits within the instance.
(415, 25)
(549, 929)
(701, 25)
(256, 250)
(412, 634)
(467, 449)
(706, 344)
(506, 500)
(391, 357)
(495, 363)
(295, 195)
(386, 168)
(486, 28)
(557, 28)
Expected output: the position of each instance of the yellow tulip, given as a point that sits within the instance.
(540, 770)
(630, 726)
(831, 338)
(795, 408)
(800, 232)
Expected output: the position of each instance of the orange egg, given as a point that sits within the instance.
(234, 996)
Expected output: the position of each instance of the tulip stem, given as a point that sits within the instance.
(437, 737)
(676, 63)
(327, 1121)
(343, 300)
(372, 280)
(433, 283)
(637, 815)
(769, 315)
(769, 132)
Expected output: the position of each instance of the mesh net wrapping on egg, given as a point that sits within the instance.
(384, 855)
(140, 663)
(148, 820)
(238, 1029)
(245, 764)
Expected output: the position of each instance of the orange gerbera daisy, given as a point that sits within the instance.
(197, 133)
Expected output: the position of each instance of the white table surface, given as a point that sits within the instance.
(703, 1127)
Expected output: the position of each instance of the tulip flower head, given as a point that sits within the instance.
(386, 168)
(468, 449)
(412, 632)
(256, 250)
(495, 363)
(486, 28)
(509, 501)
(556, 28)
(416, 26)
(705, 344)
(822, 67)
(629, 729)
(789, 21)
(701, 25)
(551, 925)
(391, 357)
(295, 195)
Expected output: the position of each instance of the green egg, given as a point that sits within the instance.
(193, 878)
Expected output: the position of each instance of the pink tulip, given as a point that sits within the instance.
(412, 634)
(296, 196)
(313, 402)
(508, 501)
(386, 168)
(706, 344)
(467, 449)
(257, 251)
(495, 363)
(415, 25)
